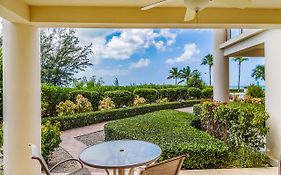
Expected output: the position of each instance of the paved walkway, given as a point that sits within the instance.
(74, 147)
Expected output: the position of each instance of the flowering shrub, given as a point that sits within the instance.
(50, 134)
(163, 100)
(106, 103)
(83, 104)
(66, 108)
(139, 101)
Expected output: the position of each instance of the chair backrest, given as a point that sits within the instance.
(35, 153)
(168, 167)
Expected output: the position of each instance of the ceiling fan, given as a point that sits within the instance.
(194, 6)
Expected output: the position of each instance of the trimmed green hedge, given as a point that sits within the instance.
(172, 131)
(150, 95)
(120, 97)
(84, 119)
(194, 93)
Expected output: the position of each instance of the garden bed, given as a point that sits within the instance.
(84, 119)
(172, 131)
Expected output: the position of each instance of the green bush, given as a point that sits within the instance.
(181, 93)
(207, 92)
(85, 119)
(172, 131)
(238, 124)
(197, 108)
(194, 93)
(247, 158)
(50, 135)
(120, 97)
(93, 97)
(255, 91)
(150, 95)
(169, 93)
(53, 95)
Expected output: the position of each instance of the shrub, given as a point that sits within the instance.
(197, 109)
(194, 93)
(255, 91)
(50, 134)
(171, 130)
(83, 104)
(53, 95)
(139, 101)
(93, 97)
(239, 124)
(150, 95)
(66, 108)
(163, 100)
(181, 93)
(245, 157)
(169, 93)
(120, 97)
(106, 103)
(85, 119)
(207, 92)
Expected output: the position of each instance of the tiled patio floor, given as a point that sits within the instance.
(74, 147)
(244, 171)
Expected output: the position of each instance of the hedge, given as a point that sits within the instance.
(120, 97)
(92, 96)
(172, 131)
(150, 95)
(84, 119)
(194, 93)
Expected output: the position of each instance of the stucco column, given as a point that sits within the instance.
(21, 64)
(273, 92)
(220, 67)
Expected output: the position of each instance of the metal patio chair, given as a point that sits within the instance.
(167, 167)
(37, 156)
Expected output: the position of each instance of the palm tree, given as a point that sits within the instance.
(240, 60)
(174, 73)
(208, 60)
(186, 73)
(258, 73)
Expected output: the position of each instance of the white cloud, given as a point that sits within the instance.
(127, 43)
(143, 62)
(190, 51)
(111, 72)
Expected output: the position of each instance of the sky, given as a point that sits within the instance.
(139, 56)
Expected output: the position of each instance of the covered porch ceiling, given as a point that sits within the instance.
(128, 13)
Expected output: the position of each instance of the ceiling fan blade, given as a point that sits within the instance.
(156, 4)
(234, 3)
(189, 14)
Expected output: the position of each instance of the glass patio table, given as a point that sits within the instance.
(120, 155)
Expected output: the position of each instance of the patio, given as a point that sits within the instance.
(22, 60)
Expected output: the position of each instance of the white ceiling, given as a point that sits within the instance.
(272, 4)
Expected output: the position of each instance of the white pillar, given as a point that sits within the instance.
(220, 67)
(21, 64)
(273, 93)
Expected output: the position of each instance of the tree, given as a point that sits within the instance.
(116, 81)
(240, 60)
(174, 73)
(258, 73)
(195, 80)
(94, 81)
(208, 60)
(186, 73)
(62, 56)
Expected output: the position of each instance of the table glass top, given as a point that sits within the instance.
(121, 153)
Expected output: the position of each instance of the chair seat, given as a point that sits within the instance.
(82, 171)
